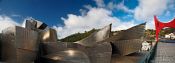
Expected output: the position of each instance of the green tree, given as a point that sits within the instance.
(77, 36)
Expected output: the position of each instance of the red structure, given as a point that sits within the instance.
(159, 25)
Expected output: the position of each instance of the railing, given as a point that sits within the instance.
(149, 57)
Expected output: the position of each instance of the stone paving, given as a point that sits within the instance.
(165, 53)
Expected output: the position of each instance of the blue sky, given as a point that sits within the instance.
(48, 11)
(72, 16)
(51, 11)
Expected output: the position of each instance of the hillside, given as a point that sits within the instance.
(149, 34)
(77, 36)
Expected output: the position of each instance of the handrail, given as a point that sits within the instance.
(150, 55)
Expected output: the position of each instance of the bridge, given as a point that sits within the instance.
(161, 52)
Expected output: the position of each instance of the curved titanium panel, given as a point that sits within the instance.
(136, 32)
(125, 47)
(69, 55)
(48, 35)
(96, 37)
(20, 45)
(52, 47)
(100, 53)
(35, 24)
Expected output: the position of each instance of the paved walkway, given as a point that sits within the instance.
(165, 53)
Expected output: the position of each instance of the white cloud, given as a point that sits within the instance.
(123, 25)
(100, 16)
(6, 22)
(100, 3)
(120, 6)
(111, 5)
(95, 18)
(150, 24)
(148, 8)
(23, 24)
(171, 7)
